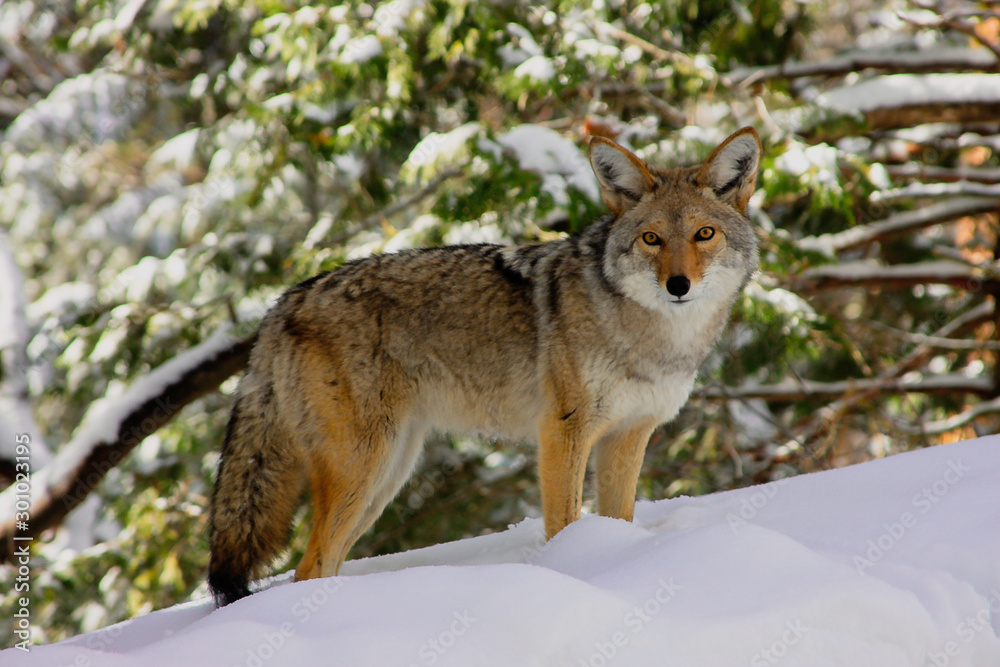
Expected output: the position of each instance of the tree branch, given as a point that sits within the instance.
(805, 389)
(905, 100)
(900, 223)
(951, 423)
(953, 20)
(926, 190)
(943, 174)
(113, 428)
(952, 60)
(862, 273)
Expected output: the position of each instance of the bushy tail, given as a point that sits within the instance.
(258, 487)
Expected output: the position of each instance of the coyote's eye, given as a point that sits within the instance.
(649, 238)
(704, 234)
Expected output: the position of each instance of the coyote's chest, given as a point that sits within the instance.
(648, 398)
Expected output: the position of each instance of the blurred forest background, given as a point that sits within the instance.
(168, 167)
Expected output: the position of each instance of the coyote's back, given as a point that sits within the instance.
(587, 343)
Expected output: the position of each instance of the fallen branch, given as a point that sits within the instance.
(898, 224)
(114, 427)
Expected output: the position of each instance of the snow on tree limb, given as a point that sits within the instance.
(903, 100)
(927, 190)
(900, 223)
(944, 174)
(112, 427)
(958, 60)
(859, 273)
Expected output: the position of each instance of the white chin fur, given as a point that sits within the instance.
(715, 290)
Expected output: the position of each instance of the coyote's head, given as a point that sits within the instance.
(681, 235)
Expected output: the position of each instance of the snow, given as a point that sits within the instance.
(894, 562)
(439, 148)
(818, 163)
(557, 159)
(361, 50)
(538, 68)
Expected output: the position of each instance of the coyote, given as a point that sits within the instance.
(588, 342)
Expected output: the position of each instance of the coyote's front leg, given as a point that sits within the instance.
(619, 459)
(564, 445)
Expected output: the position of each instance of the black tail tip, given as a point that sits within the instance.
(226, 588)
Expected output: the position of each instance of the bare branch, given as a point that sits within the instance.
(797, 391)
(83, 463)
(937, 341)
(953, 422)
(952, 20)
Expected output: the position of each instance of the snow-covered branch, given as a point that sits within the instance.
(860, 273)
(900, 223)
(945, 60)
(944, 174)
(904, 100)
(113, 426)
(927, 190)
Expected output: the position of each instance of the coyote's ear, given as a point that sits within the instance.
(623, 177)
(731, 170)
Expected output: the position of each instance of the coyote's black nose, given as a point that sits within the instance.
(678, 285)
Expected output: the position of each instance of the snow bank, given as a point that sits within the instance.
(895, 562)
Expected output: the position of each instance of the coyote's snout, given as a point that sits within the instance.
(582, 344)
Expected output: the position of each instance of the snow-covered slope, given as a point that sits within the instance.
(892, 562)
